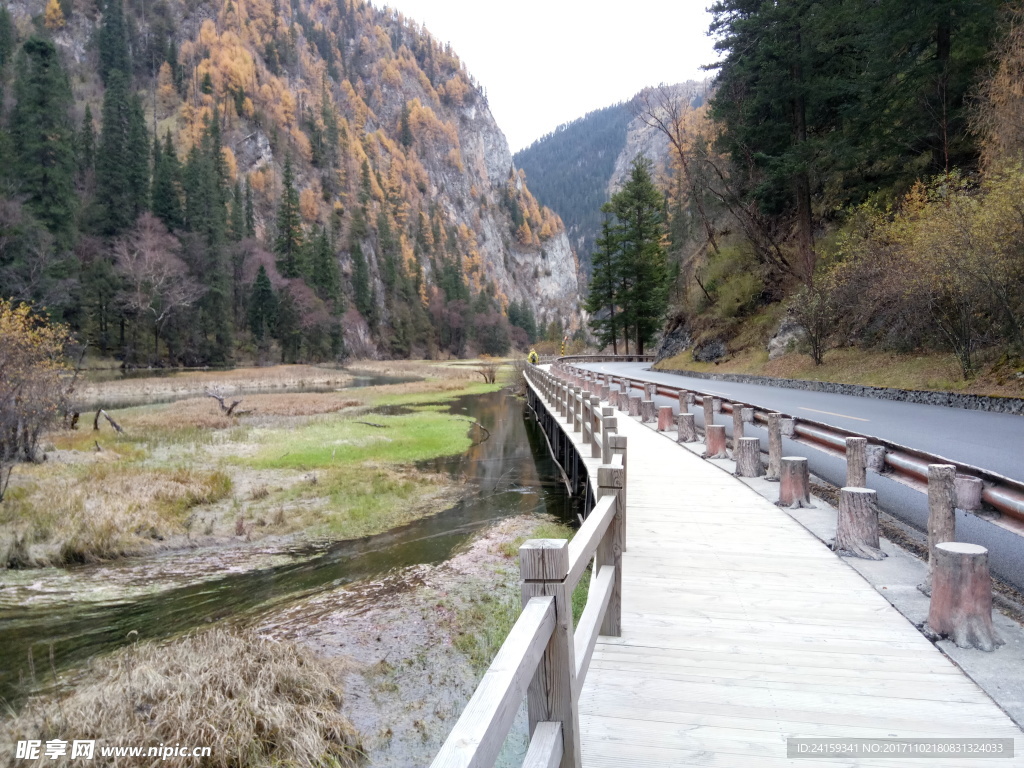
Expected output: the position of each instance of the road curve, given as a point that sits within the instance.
(992, 441)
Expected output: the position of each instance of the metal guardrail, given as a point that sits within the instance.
(901, 462)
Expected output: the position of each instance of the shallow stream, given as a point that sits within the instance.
(70, 615)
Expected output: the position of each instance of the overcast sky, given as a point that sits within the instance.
(546, 62)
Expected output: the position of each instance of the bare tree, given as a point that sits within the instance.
(157, 280)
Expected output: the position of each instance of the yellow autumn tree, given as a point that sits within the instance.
(53, 17)
(166, 93)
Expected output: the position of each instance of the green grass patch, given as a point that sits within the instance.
(488, 617)
(335, 442)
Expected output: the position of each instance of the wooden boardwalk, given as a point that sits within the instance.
(740, 629)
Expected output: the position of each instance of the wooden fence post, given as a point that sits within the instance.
(687, 426)
(748, 457)
(709, 411)
(857, 528)
(716, 404)
(577, 409)
(611, 481)
(856, 462)
(774, 446)
(794, 482)
(684, 402)
(714, 442)
(586, 419)
(968, 492)
(941, 509)
(619, 444)
(609, 428)
(543, 567)
(649, 391)
(961, 599)
(595, 430)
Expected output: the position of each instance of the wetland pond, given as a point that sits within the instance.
(54, 619)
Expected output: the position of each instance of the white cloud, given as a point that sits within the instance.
(544, 63)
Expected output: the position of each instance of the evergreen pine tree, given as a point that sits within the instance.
(237, 223)
(324, 275)
(166, 194)
(122, 161)
(42, 137)
(250, 214)
(604, 292)
(85, 152)
(361, 284)
(288, 243)
(113, 42)
(643, 271)
(262, 306)
(404, 130)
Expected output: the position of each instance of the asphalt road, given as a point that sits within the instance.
(992, 441)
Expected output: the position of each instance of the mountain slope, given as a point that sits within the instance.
(575, 168)
(398, 177)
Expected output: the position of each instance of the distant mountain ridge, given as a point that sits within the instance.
(574, 169)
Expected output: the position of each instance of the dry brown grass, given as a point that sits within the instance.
(253, 701)
(458, 370)
(205, 413)
(238, 380)
(99, 511)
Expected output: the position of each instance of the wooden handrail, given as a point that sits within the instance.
(476, 739)
(544, 658)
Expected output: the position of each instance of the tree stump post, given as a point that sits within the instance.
(857, 528)
(649, 391)
(691, 400)
(748, 415)
(687, 426)
(774, 446)
(684, 403)
(788, 426)
(603, 392)
(748, 457)
(968, 492)
(941, 509)
(794, 483)
(961, 599)
(856, 462)
(648, 412)
(622, 401)
(716, 404)
(634, 405)
(714, 442)
(664, 418)
(709, 411)
(737, 425)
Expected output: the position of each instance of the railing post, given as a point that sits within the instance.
(618, 445)
(595, 429)
(577, 409)
(586, 424)
(609, 427)
(543, 567)
(611, 481)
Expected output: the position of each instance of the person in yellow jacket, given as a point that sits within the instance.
(532, 358)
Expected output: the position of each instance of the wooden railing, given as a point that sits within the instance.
(545, 659)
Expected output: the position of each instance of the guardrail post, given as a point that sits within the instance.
(774, 446)
(611, 481)
(714, 442)
(857, 527)
(748, 457)
(737, 425)
(961, 599)
(941, 509)
(968, 492)
(687, 426)
(794, 482)
(709, 411)
(856, 462)
(543, 567)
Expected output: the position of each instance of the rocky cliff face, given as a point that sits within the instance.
(394, 149)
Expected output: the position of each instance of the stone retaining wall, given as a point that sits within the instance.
(949, 399)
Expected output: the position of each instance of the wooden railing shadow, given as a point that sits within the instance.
(545, 658)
